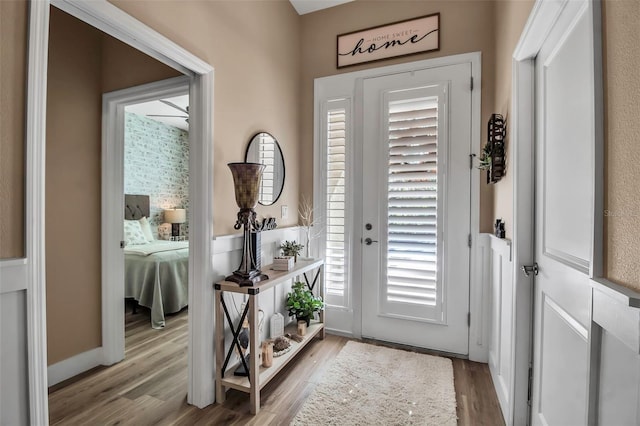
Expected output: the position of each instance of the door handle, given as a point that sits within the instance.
(528, 269)
(368, 241)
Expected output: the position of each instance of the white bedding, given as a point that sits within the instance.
(156, 246)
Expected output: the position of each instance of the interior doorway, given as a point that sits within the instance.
(158, 281)
(119, 24)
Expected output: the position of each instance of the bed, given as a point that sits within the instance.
(156, 272)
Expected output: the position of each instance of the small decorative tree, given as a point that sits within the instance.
(291, 248)
(310, 221)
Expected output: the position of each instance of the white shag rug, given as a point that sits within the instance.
(375, 385)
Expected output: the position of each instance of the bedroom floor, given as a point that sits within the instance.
(149, 387)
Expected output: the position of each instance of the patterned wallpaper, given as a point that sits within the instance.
(156, 163)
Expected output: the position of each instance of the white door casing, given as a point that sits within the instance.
(119, 24)
(565, 199)
(409, 296)
(113, 123)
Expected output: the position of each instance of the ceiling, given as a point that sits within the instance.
(308, 6)
(159, 107)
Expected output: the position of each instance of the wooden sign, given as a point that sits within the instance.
(389, 41)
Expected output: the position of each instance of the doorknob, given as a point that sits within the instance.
(528, 269)
(368, 241)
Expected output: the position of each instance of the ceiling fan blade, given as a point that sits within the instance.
(171, 104)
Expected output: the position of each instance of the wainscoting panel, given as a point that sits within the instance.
(14, 391)
(498, 260)
(616, 355)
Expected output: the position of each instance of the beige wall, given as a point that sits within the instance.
(254, 47)
(72, 217)
(13, 60)
(511, 16)
(622, 141)
(83, 63)
(466, 26)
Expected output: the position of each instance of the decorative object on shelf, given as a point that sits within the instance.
(267, 353)
(264, 149)
(267, 224)
(282, 263)
(499, 228)
(291, 248)
(302, 303)
(302, 327)
(281, 346)
(402, 38)
(276, 325)
(246, 179)
(310, 221)
(175, 217)
(243, 340)
(492, 157)
(294, 337)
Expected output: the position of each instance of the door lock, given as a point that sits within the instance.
(528, 269)
(368, 227)
(368, 241)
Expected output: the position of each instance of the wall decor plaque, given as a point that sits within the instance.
(416, 35)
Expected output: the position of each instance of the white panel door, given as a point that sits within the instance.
(565, 146)
(416, 207)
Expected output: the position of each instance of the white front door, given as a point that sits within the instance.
(565, 159)
(416, 207)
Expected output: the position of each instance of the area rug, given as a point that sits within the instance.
(375, 385)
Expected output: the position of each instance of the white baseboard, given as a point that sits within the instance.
(73, 366)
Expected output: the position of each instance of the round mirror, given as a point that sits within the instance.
(263, 148)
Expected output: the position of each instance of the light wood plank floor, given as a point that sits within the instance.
(149, 387)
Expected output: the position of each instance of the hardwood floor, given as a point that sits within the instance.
(149, 387)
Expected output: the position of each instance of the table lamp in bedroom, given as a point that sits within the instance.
(175, 217)
(246, 182)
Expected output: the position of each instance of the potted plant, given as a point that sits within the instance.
(302, 303)
(291, 248)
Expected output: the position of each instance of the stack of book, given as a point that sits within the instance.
(282, 263)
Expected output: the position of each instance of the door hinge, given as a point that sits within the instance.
(122, 244)
(530, 386)
(468, 319)
(471, 83)
(469, 240)
(471, 161)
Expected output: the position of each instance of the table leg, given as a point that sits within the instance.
(254, 364)
(219, 339)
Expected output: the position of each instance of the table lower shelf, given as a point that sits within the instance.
(241, 383)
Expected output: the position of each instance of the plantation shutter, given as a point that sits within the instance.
(266, 155)
(412, 218)
(336, 237)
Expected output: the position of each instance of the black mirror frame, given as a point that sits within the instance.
(284, 168)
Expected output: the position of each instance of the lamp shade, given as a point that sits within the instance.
(246, 180)
(175, 216)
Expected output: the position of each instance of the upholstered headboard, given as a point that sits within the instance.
(136, 206)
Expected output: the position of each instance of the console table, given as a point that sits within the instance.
(255, 382)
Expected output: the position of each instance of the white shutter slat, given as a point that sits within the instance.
(412, 202)
(395, 115)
